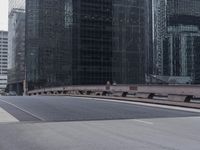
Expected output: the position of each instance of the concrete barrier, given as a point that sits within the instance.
(182, 93)
(179, 93)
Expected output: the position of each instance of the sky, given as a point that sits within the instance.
(3, 14)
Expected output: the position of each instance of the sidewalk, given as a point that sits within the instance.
(5, 117)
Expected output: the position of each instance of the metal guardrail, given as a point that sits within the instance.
(181, 93)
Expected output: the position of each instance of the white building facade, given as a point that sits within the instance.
(3, 59)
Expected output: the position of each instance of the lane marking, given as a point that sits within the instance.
(157, 105)
(31, 114)
(5, 117)
(144, 104)
(145, 122)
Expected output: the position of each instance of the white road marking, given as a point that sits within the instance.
(5, 117)
(145, 122)
(40, 118)
(145, 104)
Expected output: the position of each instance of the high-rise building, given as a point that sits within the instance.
(16, 36)
(3, 59)
(179, 38)
(87, 42)
(183, 38)
(68, 42)
(132, 55)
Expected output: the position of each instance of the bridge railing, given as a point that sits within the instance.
(181, 93)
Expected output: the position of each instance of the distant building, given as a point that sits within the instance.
(178, 40)
(16, 65)
(3, 59)
(183, 38)
(16, 36)
(13, 4)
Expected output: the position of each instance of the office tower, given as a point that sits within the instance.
(183, 39)
(16, 36)
(68, 42)
(132, 55)
(3, 59)
(180, 34)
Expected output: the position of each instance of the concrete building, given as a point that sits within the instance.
(16, 37)
(3, 59)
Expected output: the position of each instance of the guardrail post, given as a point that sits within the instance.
(124, 94)
(180, 98)
(145, 95)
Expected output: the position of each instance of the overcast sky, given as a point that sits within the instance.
(3, 14)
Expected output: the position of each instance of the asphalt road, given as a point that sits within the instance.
(65, 123)
(54, 109)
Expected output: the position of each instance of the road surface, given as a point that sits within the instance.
(66, 123)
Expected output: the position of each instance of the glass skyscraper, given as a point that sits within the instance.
(68, 42)
(86, 42)
(178, 42)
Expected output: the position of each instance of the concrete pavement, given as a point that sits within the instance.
(6, 117)
(146, 134)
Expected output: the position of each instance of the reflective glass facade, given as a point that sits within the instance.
(177, 43)
(86, 42)
(183, 34)
(68, 42)
(132, 56)
(48, 50)
(92, 45)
